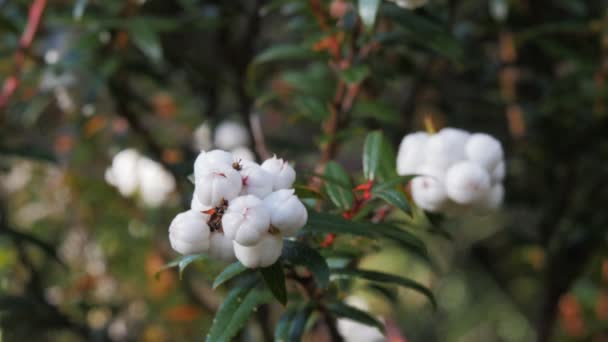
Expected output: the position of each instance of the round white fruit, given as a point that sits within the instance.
(263, 254)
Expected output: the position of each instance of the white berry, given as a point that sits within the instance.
(466, 182)
(256, 181)
(216, 183)
(207, 159)
(189, 232)
(411, 152)
(230, 134)
(220, 247)
(283, 174)
(246, 220)
(263, 254)
(485, 150)
(287, 213)
(429, 193)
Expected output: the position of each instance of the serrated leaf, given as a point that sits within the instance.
(235, 311)
(182, 262)
(368, 10)
(355, 74)
(274, 277)
(146, 40)
(347, 311)
(387, 278)
(298, 253)
(341, 197)
(281, 331)
(327, 223)
(298, 326)
(279, 52)
(228, 273)
(371, 154)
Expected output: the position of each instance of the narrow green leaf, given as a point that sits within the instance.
(393, 197)
(355, 314)
(368, 9)
(281, 331)
(146, 40)
(298, 253)
(371, 154)
(355, 74)
(387, 168)
(182, 262)
(298, 325)
(341, 197)
(253, 299)
(306, 192)
(274, 277)
(280, 52)
(228, 273)
(387, 278)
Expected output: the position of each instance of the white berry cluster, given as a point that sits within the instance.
(459, 171)
(229, 135)
(239, 209)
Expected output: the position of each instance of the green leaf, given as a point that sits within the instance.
(235, 311)
(228, 273)
(298, 253)
(425, 31)
(182, 262)
(341, 197)
(7, 23)
(355, 74)
(281, 52)
(368, 9)
(281, 331)
(306, 192)
(298, 326)
(146, 40)
(393, 197)
(371, 154)
(274, 277)
(79, 9)
(355, 314)
(327, 223)
(387, 278)
(387, 168)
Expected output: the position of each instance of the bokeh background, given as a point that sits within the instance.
(84, 80)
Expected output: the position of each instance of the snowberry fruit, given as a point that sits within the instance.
(230, 134)
(411, 152)
(189, 232)
(429, 193)
(287, 213)
(122, 174)
(485, 150)
(155, 183)
(256, 181)
(263, 254)
(466, 182)
(208, 159)
(217, 183)
(242, 153)
(446, 147)
(283, 174)
(220, 247)
(246, 220)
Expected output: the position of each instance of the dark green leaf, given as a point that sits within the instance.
(228, 273)
(387, 278)
(393, 197)
(355, 74)
(298, 326)
(7, 23)
(306, 192)
(371, 154)
(182, 262)
(146, 40)
(368, 9)
(298, 253)
(281, 331)
(387, 168)
(355, 314)
(274, 277)
(341, 197)
(280, 52)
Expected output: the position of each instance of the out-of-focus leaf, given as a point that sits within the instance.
(235, 311)
(29, 151)
(298, 326)
(282, 52)
(387, 278)
(79, 9)
(355, 74)
(387, 168)
(275, 280)
(182, 262)
(228, 273)
(311, 108)
(376, 110)
(327, 223)
(297, 253)
(393, 197)
(347, 311)
(306, 192)
(281, 331)
(7, 24)
(425, 31)
(341, 197)
(372, 150)
(368, 10)
(146, 40)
